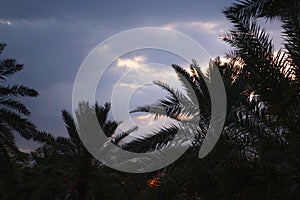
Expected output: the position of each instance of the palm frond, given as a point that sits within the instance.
(17, 90)
(245, 9)
(9, 67)
(14, 105)
(2, 46)
(71, 128)
(22, 125)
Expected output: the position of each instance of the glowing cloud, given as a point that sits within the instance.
(131, 63)
(5, 22)
(128, 85)
(211, 27)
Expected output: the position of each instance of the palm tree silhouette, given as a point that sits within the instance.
(64, 168)
(13, 120)
(13, 113)
(257, 154)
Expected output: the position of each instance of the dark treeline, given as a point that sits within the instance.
(256, 157)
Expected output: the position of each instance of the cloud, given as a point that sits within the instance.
(207, 26)
(121, 10)
(5, 22)
(131, 63)
(142, 70)
(129, 85)
(169, 26)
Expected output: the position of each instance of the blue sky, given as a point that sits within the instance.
(52, 38)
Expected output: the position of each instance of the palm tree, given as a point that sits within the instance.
(256, 155)
(64, 169)
(13, 113)
(286, 11)
(13, 119)
(275, 80)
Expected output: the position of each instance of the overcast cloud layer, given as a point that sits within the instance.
(51, 38)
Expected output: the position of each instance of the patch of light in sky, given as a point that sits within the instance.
(139, 68)
(130, 85)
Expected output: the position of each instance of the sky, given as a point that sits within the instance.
(52, 38)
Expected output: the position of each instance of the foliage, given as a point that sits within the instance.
(257, 156)
(13, 120)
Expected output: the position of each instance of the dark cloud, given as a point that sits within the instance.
(112, 10)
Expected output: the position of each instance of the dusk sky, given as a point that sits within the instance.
(52, 38)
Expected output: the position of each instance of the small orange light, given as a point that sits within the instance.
(153, 182)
